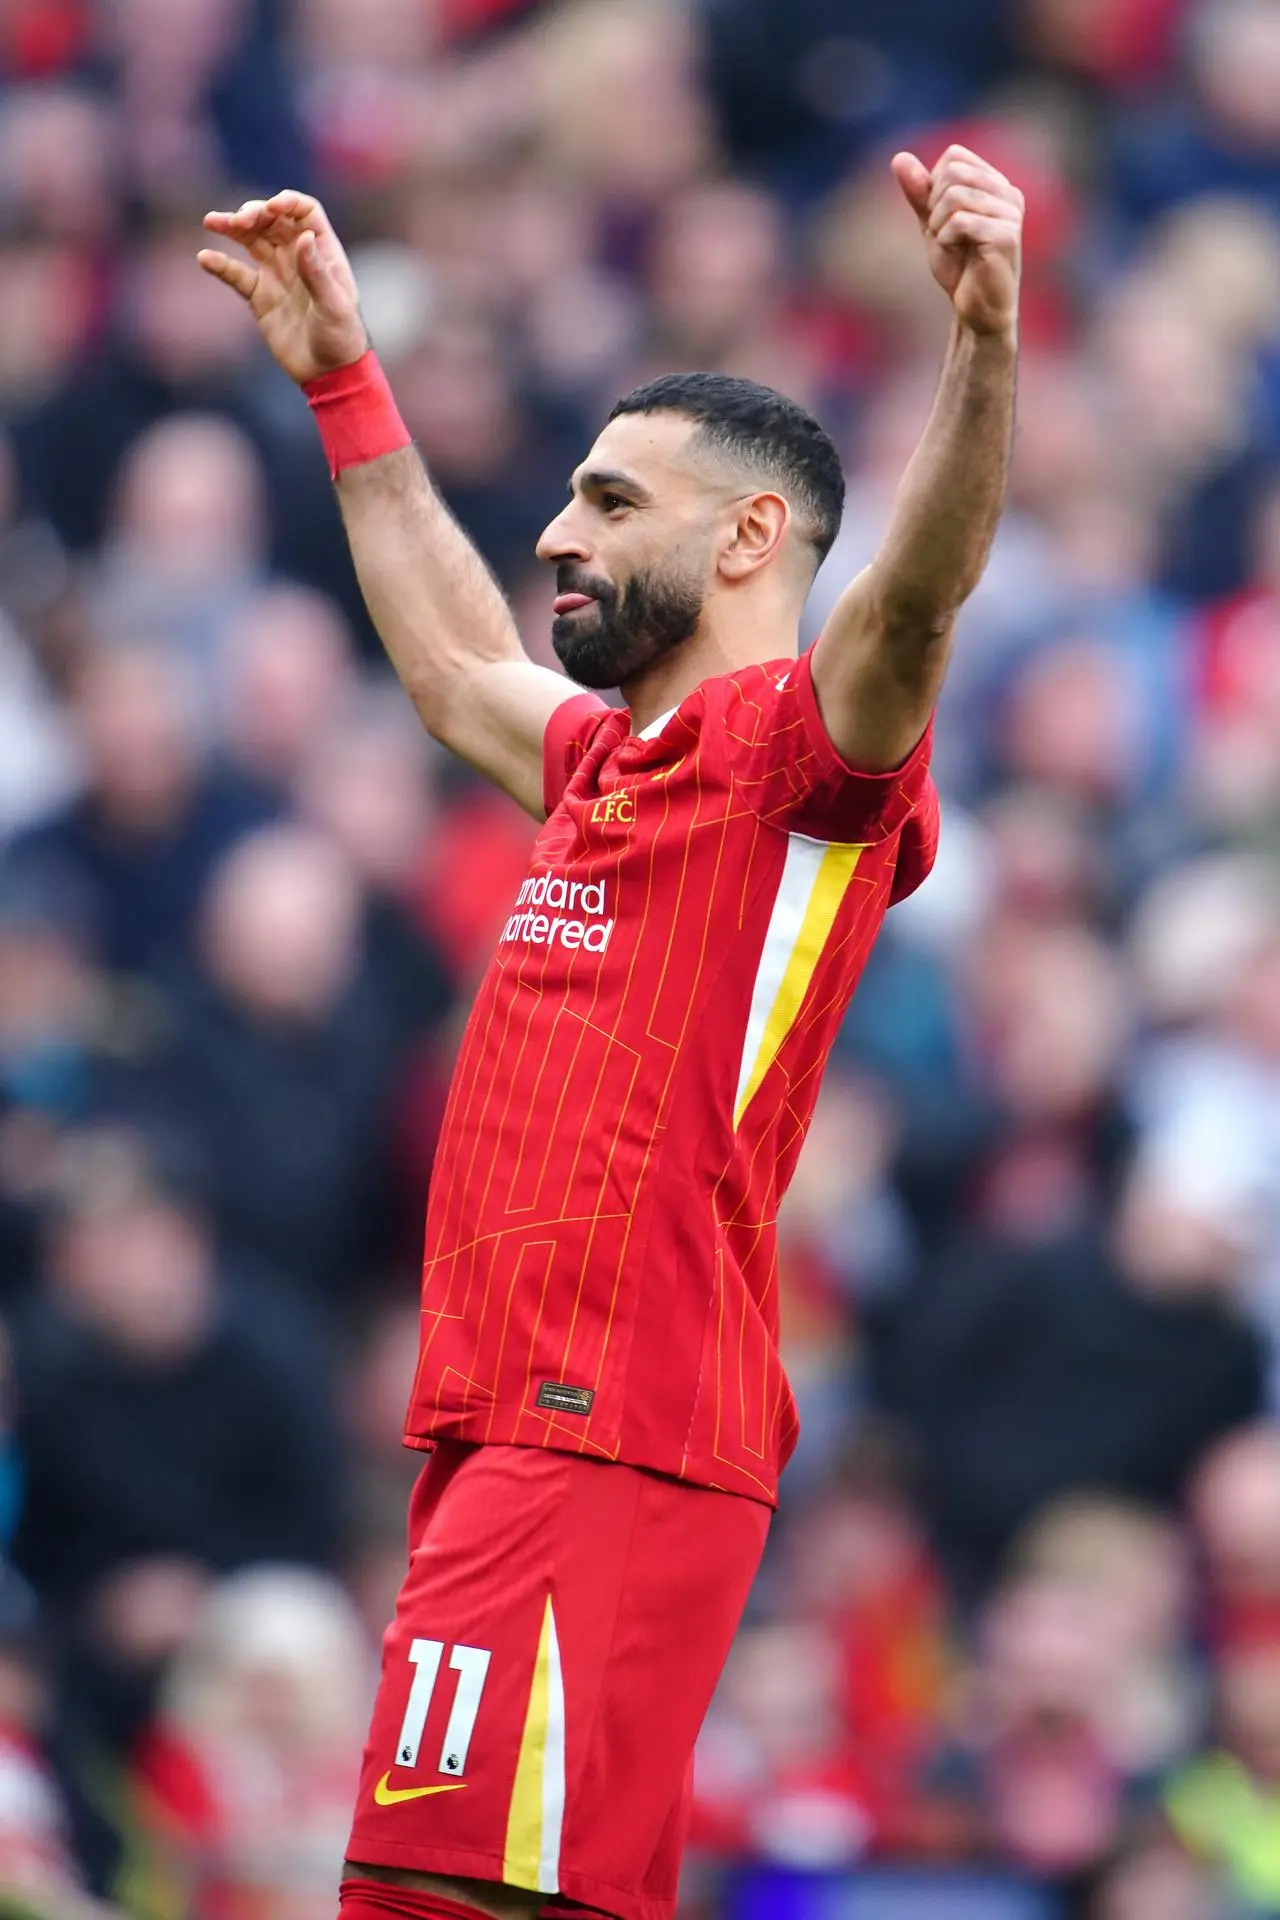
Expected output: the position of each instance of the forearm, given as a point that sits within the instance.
(948, 505)
(441, 616)
(437, 608)
(879, 666)
(445, 625)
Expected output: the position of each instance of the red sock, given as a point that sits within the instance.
(374, 1900)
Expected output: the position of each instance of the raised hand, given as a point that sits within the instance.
(971, 218)
(297, 281)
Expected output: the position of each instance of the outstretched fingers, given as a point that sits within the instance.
(247, 226)
(236, 274)
(302, 208)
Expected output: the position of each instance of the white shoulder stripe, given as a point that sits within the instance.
(815, 878)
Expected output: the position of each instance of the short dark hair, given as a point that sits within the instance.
(764, 432)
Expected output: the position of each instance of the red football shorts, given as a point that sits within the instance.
(556, 1644)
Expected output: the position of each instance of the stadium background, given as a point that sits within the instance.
(1016, 1650)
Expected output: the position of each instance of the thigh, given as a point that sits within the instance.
(556, 1643)
(679, 1587)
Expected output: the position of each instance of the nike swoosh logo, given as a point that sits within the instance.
(388, 1796)
(780, 684)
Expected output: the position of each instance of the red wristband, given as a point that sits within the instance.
(356, 413)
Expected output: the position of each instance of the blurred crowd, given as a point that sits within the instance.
(1020, 1618)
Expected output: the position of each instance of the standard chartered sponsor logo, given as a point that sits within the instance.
(579, 922)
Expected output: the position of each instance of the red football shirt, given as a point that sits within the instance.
(637, 1076)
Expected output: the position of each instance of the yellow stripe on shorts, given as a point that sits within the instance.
(532, 1857)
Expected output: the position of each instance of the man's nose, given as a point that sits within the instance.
(563, 539)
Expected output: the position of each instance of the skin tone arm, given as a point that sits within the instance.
(438, 610)
(879, 665)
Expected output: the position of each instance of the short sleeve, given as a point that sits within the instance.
(569, 732)
(788, 769)
(917, 846)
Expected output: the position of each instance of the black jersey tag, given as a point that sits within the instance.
(561, 1399)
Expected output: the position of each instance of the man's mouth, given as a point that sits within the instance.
(570, 602)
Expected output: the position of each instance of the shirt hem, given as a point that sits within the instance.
(712, 1477)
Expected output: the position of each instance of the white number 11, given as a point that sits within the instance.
(471, 1664)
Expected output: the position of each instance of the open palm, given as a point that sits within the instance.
(297, 282)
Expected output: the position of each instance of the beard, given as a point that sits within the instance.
(612, 642)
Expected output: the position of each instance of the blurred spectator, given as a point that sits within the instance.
(35, 577)
(282, 1063)
(201, 1432)
(1131, 1569)
(366, 783)
(461, 402)
(1050, 1793)
(187, 542)
(1223, 133)
(1209, 1100)
(809, 83)
(775, 1778)
(287, 672)
(37, 751)
(995, 1358)
(56, 1022)
(856, 1561)
(365, 89)
(60, 160)
(47, 311)
(1235, 1504)
(143, 837)
(166, 348)
(716, 275)
(469, 870)
(39, 1876)
(1226, 1807)
(1118, 43)
(249, 1767)
(843, 1242)
(619, 100)
(1156, 1880)
(203, 94)
(1237, 763)
(1030, 1262)
(376, 1393)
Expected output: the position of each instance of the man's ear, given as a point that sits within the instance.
(754, 537)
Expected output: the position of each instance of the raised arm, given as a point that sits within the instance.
(443, 621)
(879, 664)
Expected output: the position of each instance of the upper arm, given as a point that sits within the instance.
(876, 695)
(495, 717)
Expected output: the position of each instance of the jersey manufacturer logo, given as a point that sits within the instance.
(562, 1399)
(388, 1796)
(615, 809)
(781, 684)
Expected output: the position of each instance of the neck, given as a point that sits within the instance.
(729, 636)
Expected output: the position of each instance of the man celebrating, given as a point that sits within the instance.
(599, 1380)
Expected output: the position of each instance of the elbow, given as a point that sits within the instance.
(910, 616)
(918, 625)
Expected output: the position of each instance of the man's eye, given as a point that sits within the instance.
(611, 502)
